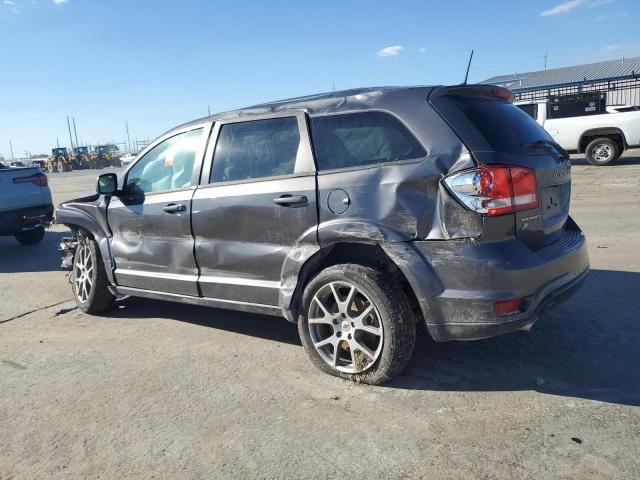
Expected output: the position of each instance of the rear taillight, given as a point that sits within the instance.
(39, 179)
(495, 189)
(508, 307)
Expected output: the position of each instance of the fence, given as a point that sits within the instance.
(619, 91)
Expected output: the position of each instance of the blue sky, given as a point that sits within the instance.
(157, 64)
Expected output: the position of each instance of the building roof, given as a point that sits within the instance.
(623, 67)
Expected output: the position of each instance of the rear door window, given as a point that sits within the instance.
(359, 139)
(256, 149)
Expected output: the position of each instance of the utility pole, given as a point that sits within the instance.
(11, 148)
(70, 137)
(545, 58)
(75, 132)
(209, 110)
(58, 142)
(126, 124)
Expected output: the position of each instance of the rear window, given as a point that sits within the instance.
(359, 139)
(530, 109)
(502, 125)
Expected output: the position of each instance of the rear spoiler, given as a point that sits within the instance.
(481, 91)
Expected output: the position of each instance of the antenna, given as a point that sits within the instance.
(546, 56)
(466, 75)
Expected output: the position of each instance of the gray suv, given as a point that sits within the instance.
(354, 214)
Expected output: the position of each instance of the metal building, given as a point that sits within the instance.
(619, 79)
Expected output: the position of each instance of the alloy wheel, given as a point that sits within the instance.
(345, 327)
(83, 273)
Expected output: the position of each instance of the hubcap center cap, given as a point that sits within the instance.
(346, 326)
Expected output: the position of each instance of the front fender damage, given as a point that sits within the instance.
(86, 216)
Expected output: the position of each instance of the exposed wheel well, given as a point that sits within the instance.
(614, 134)
(370, 255)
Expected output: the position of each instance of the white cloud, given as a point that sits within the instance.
(59, 2)
(603, 17)
(617, 47)
(565, 7)
(391, 51)
(11, 6)
(422, 50)
(597, 3)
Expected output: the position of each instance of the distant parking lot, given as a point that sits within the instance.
(164, 390)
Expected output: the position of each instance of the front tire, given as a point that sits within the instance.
(90, 279)
(30, 237)
(602, 151)
(357, 324)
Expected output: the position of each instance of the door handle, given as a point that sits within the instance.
(174, 208)
(291, 200)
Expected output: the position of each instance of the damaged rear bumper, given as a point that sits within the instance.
(475, 276)
(538, 305)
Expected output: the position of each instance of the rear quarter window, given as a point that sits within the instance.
(360, 139)
(530, 109)
(502, 125)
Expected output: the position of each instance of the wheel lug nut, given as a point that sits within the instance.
(349, 337)
(353, 325)
(339, 334)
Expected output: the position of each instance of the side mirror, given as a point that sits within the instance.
(107, 184)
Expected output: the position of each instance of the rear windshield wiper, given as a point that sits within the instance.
(548, 143)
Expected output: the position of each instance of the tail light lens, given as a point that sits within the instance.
(495, 189)
(39, 179)
(508, 307)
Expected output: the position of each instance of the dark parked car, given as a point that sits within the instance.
(356, 214)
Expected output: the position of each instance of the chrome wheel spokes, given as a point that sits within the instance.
(83, 272)
(602, 152)
(345, 327)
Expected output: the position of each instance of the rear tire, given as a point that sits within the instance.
(89, 278)
(601, 151)
(30, 237)
(350, 310)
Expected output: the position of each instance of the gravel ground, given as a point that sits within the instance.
(157, 390)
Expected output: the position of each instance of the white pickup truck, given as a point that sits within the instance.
(25, 204)
(601, 137)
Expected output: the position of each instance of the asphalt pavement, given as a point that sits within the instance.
(160, 390)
